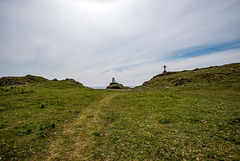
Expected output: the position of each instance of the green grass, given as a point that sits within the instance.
(172, 125)
(32, 116)
(63, 120)
(218, 76)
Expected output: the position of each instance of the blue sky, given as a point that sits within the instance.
(94, 40)
(205, 49)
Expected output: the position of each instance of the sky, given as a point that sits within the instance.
(92, 41)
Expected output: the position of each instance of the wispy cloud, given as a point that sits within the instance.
(204, 49)
(92, 41)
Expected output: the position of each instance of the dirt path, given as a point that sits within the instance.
(77, 141)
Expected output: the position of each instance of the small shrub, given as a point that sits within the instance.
(42, 127)
(45, 129)
(164, 121)
(90, 116)
(2, 126)
(42, 134)
(42, 105)
(24, 129)
(53, 125)
(76, 112)
(47, 126)
(29, 131)
(96, 134)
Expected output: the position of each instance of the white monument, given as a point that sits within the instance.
(113, 80)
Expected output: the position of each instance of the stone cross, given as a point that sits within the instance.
(164, 68)
(113, 80)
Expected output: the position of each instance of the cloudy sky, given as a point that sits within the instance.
(94, 40)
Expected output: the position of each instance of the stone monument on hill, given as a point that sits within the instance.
(164, 69)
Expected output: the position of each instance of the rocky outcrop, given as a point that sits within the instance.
(115, 86)
(7, 81)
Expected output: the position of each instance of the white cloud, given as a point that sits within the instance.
(83, 38)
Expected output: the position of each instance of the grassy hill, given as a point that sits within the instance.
(189, 115)
(34, 109)
(218, 76)
(38, 81)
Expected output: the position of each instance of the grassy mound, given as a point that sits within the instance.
(34, 112)
(116, 86)
(38, 81)
(218, 76)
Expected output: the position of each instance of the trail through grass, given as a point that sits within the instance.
(32, 117)
(86, 124)
(78, 139)
(189, 115)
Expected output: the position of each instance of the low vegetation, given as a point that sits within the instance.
(33, 113)
(219, 76)
(117, 86)
(171, 125)
(189, 115)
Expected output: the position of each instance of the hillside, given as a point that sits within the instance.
(38, 81)
(217, 76)
(33, 110)
(164, 119)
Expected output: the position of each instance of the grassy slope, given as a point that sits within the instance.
(198, 118)
(159, 121)
(32, 115)
(218, 76)
(172, 125)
